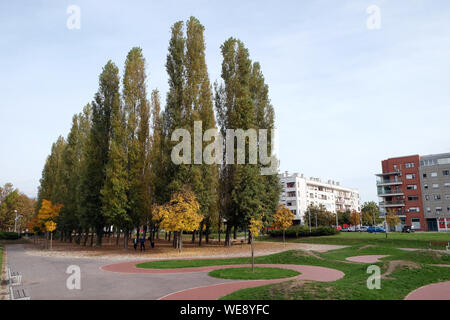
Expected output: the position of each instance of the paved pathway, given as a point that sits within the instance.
(215, 291)
(45, 278)
(435, 291)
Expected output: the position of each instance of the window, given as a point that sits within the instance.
(290, 184)
(447, 184)
(438, 209)
(415, 223)
(446, 172)
(409, 165)
(427, 197)
(434, 174)
(413, 198)
(414, 209)
(411, 176)
(411, 187)
(294, 212)
(447, 197)
(448, 209)
(435, 185)
(424, 175)
(291, 194)
(428, 209)
(425, 186)
(437, 197)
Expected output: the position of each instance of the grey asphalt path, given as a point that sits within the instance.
(44, 278)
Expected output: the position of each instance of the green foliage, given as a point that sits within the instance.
(259, 273)
(8, 235)
(303, 231)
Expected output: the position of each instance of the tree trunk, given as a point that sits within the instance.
(117, 237)
(193, 236)
(228, 235)
(200, 234)
(126, 235)
(235, 232)
(253, 256)
(207, 233)
(180, 244)
(86, 235)
(99, 232)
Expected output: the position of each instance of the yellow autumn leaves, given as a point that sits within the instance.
(181, 213)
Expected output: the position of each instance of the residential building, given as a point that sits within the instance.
(300, 192)
(435, 182)
(417, 189)
(399, 190)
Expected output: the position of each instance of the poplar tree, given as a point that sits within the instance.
(114, 191)
(136, 107)
(199, 103)
(97, 155)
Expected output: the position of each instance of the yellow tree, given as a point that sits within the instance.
(48, 214)
(392, 220)
(355, 218)
(180, 214)
(254, 228)
(283, 218)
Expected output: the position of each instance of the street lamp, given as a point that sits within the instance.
(15, 222)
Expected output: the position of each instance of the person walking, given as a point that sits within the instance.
(135, 242)
(142, 243)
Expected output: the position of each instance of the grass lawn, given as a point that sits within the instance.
(413, 271)
(258, 274)
(419, 240)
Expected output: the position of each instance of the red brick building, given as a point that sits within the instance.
(399, 190)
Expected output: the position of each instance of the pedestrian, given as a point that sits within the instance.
(143, 243)
(135, 242)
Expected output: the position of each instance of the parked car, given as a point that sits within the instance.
(362, 229)
(408, 229)
(375, 229)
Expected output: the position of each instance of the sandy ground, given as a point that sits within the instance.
(164, 250)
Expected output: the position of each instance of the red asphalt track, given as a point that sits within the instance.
(214, 292)
(435, 291)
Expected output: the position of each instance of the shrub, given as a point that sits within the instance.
(303, 231)
(8, 235)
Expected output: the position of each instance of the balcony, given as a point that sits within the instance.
(389, 182)
(391, 204)
(397, 213)
(389, 193)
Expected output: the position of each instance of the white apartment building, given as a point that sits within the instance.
(300, 192)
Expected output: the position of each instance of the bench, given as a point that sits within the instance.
(18, 294)
(439, 243)
(13, 278)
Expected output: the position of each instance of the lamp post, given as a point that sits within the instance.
(15, 222)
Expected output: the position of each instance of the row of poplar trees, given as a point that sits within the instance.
(115, 164)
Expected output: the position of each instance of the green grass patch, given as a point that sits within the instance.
(414, 270)
(395, 240)
(259, 273)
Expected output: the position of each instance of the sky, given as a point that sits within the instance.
(345, 96)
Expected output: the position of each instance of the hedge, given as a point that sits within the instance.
(303, 231)
(8, 235)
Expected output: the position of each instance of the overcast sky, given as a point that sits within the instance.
(345, 96)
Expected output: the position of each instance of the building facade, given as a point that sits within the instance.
(300, 192)
(399, 190)
(417, 189)
(435, 183)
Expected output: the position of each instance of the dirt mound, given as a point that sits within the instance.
(394, 264)
(304, 253)
(367, 246)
